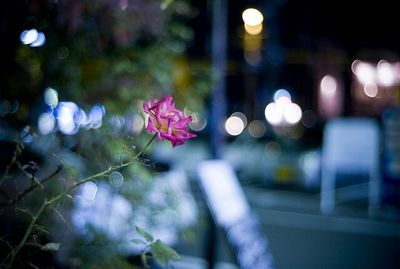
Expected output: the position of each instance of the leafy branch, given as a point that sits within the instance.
(18, 150)
(9, 260)
(34, 185)
(159, 250)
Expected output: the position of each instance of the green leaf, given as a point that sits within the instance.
(146, 235)
(51, 247)
(163, 252)
(138, 241)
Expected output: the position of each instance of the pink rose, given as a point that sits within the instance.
(167, 121)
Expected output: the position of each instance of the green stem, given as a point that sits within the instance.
(18, 149)
(103, 173)
(36, 183)
(46, 203)
(28, 231)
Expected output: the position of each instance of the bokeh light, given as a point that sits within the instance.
(242, 116)
(273, 114)
(116, 179)
(116, 122)
(253, 29)
(65, 112)
(234, 125)
(89, 191)
(40, 40)
(272, 150)
(252, 19)
(365, 72)
(253, 57)
(137, 124)
(282, 95)
(354, 66)
(257, 128)
(46, 123)
(309, 118)
(292, 113)
(252, 16)
(282, 111)
(310, 164)
(62, 53)
(328, 86)
(198, 122)
(386, 75)
(51, 97)
(29, 36)
(96, 115)
(32, 38)
(370, 89)
(80, 118)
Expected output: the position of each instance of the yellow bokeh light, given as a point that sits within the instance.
(253, 29)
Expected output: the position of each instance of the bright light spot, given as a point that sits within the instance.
(65, 117)
(292, 113)
(46, 123)
(256, 128)
(385, 73)
(365, 72)
(273, 114)
(29, 36)
(253, 29)
(51, 97)
(272, 150)
(283, 102)
(309, 118)
(282, 111)
(89, 191)
(370, 89)
(328, 86)
(252, 16)
(116, 179)
(234, 125)
(40, 40)
(242, 116)
(282, 93)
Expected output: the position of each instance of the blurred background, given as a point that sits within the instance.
(300, 99)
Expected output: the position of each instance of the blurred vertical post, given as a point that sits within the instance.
(218, 102)
(218, 46)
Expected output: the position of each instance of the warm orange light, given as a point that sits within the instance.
(253, 20)
(253, 29)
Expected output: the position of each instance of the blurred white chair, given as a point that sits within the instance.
(350, 146)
